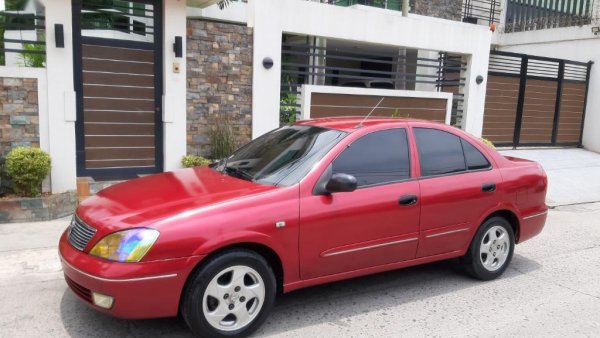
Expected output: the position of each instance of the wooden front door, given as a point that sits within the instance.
(118, 68)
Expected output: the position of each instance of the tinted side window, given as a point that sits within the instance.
(439, 152)
(376, 158)
(475, 159)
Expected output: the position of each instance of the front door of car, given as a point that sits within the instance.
(458, 186)
(374, 225)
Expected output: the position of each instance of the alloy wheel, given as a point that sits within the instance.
(494, 248)
(233, 298)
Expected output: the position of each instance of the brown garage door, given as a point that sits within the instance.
(334, 105)
(572, 107)
(535, 100)
(538, 111)
(500, 108)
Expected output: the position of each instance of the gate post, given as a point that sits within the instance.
(561, 77)
(585, 99)
(521, 101)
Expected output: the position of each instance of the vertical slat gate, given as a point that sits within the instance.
(501, 108)
(118, 67)
(535, 101)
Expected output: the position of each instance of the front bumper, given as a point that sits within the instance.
(140, 290)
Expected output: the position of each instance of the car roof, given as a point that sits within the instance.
(349, 123)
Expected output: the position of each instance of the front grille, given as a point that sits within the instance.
(80, 233)
(79, 290)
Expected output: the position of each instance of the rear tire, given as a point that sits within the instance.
(491, 250)
(230, 296)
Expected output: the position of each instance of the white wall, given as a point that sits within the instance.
(271, 18)
(174, 100)
(572, 43)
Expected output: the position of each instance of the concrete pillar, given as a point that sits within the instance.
(61, 98)
(474, 99)
(266, 82)
(174, 85)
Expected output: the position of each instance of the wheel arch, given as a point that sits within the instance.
(510, 217)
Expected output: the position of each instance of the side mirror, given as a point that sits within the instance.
(341, 183)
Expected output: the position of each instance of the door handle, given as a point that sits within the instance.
(407, 200)
(488, 187)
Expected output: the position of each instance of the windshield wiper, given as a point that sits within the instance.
(239, 173)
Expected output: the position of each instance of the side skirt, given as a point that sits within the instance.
(369, 271)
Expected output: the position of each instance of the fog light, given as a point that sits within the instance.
(103, 301)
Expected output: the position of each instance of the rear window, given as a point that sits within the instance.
(443, 153)
(475, 159)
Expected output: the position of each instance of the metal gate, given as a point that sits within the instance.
(118, 67)
(319, 61)
(535, 101)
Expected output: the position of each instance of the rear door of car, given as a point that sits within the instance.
(458, 186)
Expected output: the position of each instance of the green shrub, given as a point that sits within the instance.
(190, 161)
(27, 167)
(222, 138)
(34, 58)
(287, 108)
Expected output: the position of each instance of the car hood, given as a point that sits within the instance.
(148, 200)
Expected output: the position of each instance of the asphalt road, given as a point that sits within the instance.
(552, 288)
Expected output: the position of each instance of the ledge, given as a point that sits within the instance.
(44, 208)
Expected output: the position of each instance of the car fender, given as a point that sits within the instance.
(242, 236)
(288, 261)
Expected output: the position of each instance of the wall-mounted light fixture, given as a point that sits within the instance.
(596, 30)
(268, 62)
(178, 47)
(59, 35)
(479, 79)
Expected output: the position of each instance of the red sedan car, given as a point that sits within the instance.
(309, 203)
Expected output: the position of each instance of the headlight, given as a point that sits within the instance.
(125, 246)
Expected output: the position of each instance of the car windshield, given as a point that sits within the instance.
(281, 157)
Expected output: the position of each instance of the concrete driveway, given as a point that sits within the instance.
(552, 288)
(573, 174)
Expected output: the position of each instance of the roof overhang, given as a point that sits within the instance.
(201, 3)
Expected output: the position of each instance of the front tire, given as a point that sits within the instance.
(491, 250)
(230, 296)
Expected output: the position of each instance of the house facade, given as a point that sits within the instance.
(127, 88)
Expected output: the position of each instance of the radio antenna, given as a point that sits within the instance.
(360, 125)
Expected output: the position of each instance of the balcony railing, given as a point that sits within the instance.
(482, 12)
(527, 15)
(22, 37)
